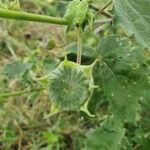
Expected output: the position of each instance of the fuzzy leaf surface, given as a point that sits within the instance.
(134, 16)
(106, 137)
(122, 76)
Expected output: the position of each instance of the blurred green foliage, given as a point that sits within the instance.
(29, 52)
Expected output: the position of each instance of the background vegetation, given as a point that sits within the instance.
(30, 51)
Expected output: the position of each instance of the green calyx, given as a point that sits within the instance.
(71, 86)
(78, 14)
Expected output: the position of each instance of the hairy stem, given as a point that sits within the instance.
(79, 46)
(18, 93)
(19, 15)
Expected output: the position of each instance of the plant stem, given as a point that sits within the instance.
(108, 15)
(79, 46)
(17, 15)
(101, 10)
(4, 95)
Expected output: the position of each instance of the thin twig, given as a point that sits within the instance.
(101, 10)
(106, 14)
(18, 93)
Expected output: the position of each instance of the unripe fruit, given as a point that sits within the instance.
(71, 85)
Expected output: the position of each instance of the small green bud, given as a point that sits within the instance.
(78, 14)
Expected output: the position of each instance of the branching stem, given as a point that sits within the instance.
(24, 16)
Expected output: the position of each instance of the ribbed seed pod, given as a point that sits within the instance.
(70, 85)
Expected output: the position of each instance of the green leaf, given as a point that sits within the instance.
(16, 69)
(111, 46)
(106, 137)
(109, 50)
(122, 76)
(123, 104)
(98, 94)
(50, 64)
(134, 16)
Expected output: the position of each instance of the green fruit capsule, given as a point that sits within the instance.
(71, 85)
